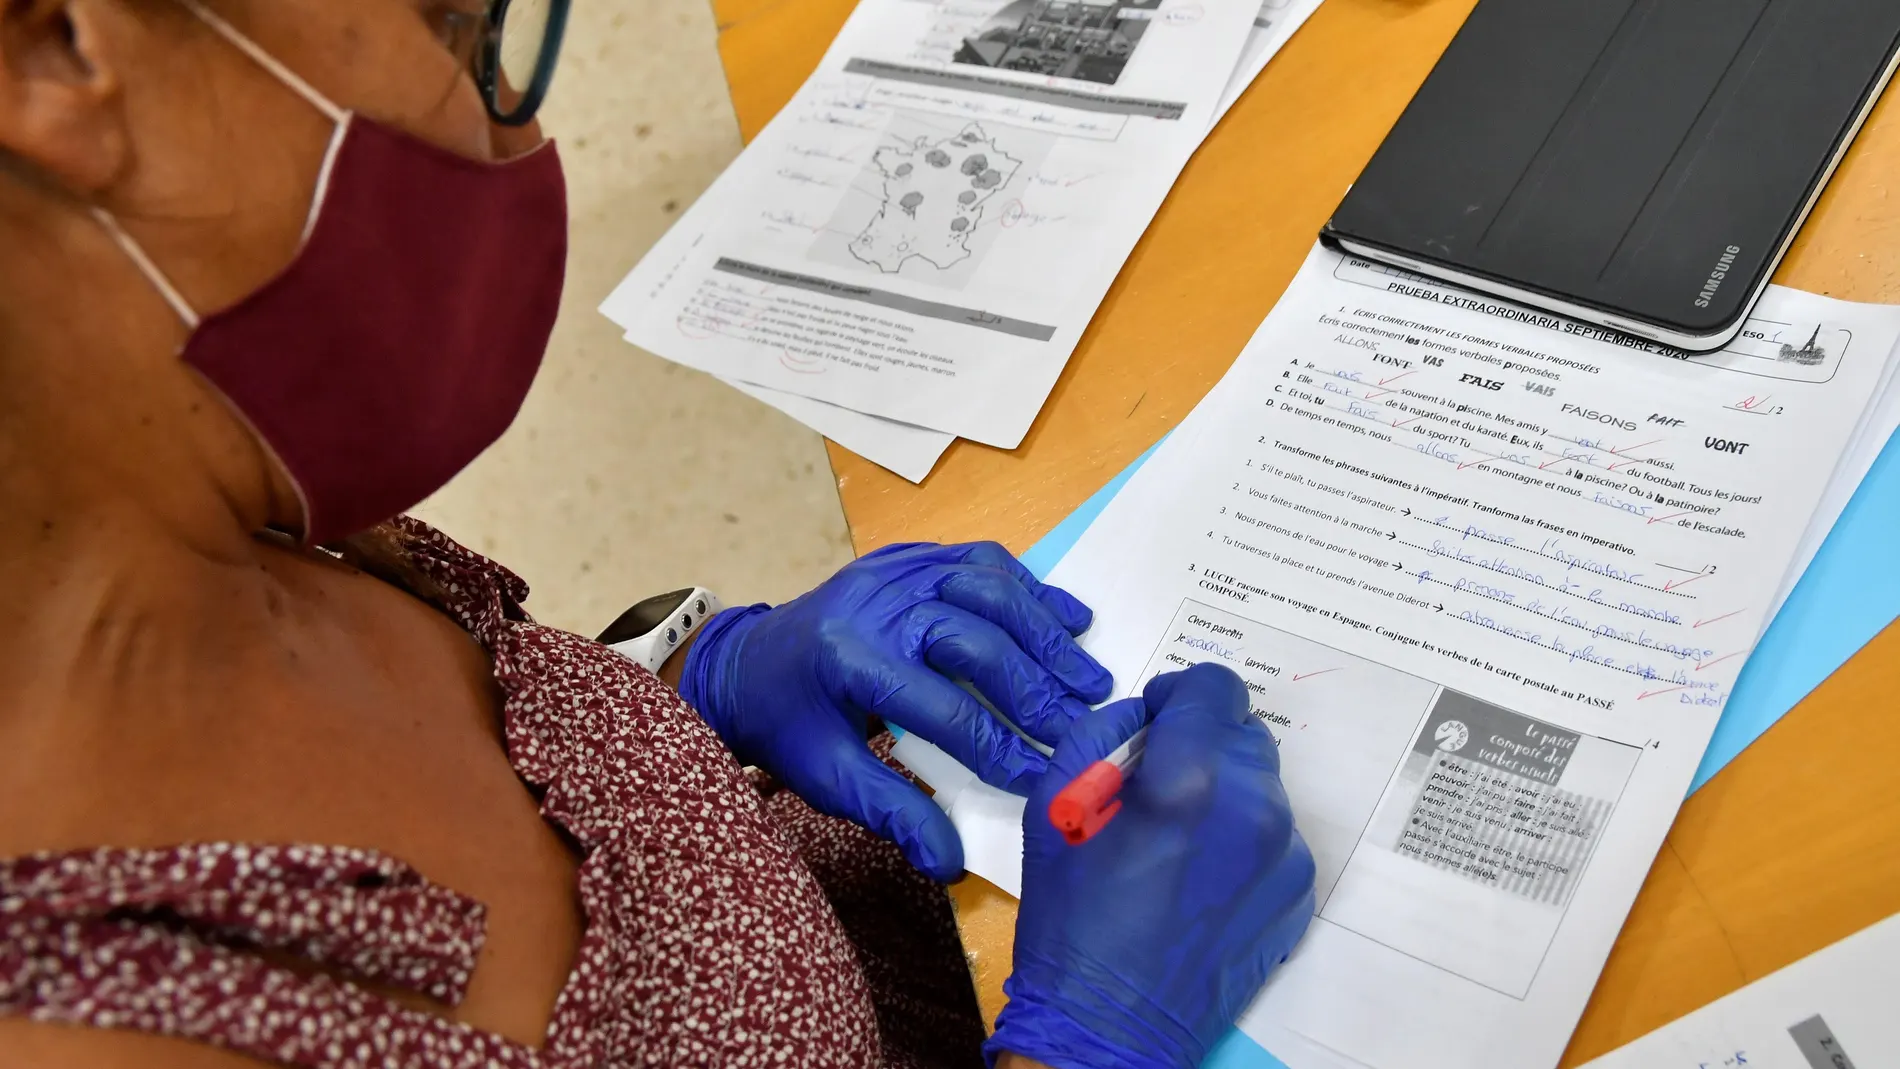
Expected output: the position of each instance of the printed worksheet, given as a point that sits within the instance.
(925, 230)
(1833, 1009)
(1490, 576)
(906, 449)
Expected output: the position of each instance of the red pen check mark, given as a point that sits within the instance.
(1714, 619)
(1665, 519)
(1475, 463)
(1653, 693)
(1370, 394)
(1548, 463)
(1397, 377)
(1627, 448)
(1700, 665)
(1309, 675)
(1671, 584)
(1403, 422)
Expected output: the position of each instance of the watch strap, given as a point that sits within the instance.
(651, 648)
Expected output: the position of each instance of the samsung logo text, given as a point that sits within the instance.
(1716, 276)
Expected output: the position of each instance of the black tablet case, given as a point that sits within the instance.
(1622, 154)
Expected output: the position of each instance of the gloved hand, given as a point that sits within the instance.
(792, 689)
(1140, 947)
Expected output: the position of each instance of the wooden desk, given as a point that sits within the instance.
(1792, 847)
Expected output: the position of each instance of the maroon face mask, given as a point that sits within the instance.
(401, 341)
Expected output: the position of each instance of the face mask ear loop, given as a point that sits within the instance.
(266, 60)
(147, 268)
(337, 115)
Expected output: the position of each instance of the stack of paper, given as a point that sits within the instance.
(911, 249)
(1490, 576)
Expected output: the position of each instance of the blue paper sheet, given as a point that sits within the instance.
(1043, 557)
(1237, 1051)
(1848, 594)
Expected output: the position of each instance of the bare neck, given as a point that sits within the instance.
(130, 494)
(109, 604)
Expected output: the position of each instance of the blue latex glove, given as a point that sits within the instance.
(1140, 947)
(792, 689)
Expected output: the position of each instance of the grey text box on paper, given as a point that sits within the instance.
(949, 313)
(1042, 94)
(1817, 1044)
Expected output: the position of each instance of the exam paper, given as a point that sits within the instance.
(925, 230)
(1833, 1009)
(1490, 576)
(1851, 594)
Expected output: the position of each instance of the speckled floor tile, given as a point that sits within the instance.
(627, 475)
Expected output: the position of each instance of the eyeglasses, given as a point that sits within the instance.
(515, 59)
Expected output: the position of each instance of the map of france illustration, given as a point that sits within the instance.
(935, 193)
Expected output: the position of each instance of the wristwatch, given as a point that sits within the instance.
(653, 630)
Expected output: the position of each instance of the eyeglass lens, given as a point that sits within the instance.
(524, 34)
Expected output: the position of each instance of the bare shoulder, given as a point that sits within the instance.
(30, 1045)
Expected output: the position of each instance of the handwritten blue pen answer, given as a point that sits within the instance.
(1848, 594)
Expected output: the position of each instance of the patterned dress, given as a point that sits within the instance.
(727, 924)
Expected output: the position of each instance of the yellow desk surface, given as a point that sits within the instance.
(1795, 845)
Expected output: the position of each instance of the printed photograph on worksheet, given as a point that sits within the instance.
(1419, 803)
(1086, 40)
(1492, 814)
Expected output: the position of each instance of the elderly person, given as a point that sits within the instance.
(285, 778)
